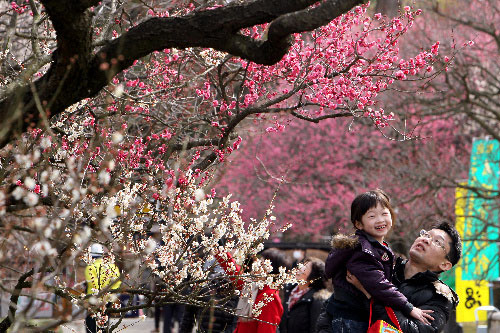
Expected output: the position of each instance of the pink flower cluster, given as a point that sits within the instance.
(18, 8)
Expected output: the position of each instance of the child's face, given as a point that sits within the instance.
(376, 222)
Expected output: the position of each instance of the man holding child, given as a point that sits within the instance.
(364, 267)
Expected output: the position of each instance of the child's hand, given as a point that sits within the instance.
(422, 315)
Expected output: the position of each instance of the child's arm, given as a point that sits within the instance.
(355, 282)
(422, 315)
(370, 273)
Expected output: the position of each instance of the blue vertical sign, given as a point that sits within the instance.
(480, 250)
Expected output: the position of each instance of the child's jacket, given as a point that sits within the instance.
(372, 263)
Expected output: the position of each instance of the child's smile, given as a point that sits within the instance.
(376, 222)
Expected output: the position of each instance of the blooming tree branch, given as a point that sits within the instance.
(77, 71)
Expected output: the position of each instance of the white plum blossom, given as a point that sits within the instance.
(55, 175)
(105, 223)
(44, 248)
(64, 213)
(47, 232)
(68, 184)
(104, 177)
(45, 142)
(31, 199)
(117, 137)
(2, 203)
(40, 223)
(118, 91)
(29, 183)
(150, 245)
(199, 194)
(18, 193)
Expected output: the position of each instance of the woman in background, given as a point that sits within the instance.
(303, 302)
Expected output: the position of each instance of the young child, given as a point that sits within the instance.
(366, 256)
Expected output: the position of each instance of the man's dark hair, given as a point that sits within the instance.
(363, 202)
(317, 275)
(278, 259)
(456, 244)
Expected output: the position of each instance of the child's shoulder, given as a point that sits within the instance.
(372, 247)
(342, 241)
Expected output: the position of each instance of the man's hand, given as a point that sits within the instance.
(422, 315)
(355, 282)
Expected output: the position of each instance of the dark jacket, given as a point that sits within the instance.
(303, 315)
(325, 318)
(372, 263)
(424, 290)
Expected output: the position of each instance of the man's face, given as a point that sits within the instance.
(431, 249)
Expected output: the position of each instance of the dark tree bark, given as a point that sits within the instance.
(76, 72)
(11, 315)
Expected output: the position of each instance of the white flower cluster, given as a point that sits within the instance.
(257, 308)
(105, 204)
(212, 57)
(195, 229)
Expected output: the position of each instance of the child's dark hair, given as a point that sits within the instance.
(278, 259)
(317, 275)
(363, 202)
(456, 244)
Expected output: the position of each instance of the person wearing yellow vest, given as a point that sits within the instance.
(98, 276)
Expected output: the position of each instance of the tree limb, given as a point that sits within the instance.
(21, 283)
(77, 73)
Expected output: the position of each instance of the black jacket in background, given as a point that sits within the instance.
(325, 318)
(209, 319)
(302, 317)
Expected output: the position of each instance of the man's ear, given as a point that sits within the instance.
(445, 266)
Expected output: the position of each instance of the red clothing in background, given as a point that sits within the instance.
(270, 313)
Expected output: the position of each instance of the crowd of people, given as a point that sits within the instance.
(370, 284)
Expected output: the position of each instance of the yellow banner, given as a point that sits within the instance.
(472, 293)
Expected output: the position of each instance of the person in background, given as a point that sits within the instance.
(98, 276)
(303, 302)
(270, 314)
(172, 313)
(219, 295)
(157, 314)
